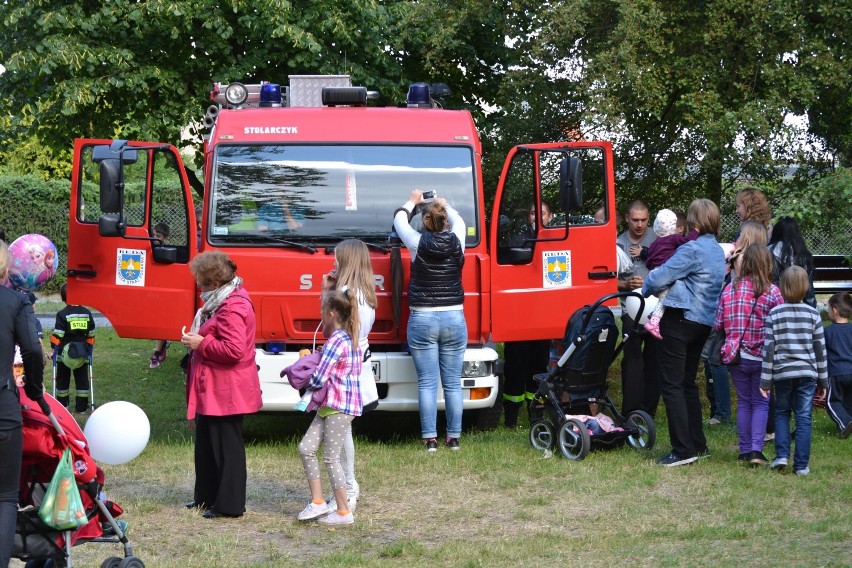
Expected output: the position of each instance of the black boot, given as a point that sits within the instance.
(510, 413)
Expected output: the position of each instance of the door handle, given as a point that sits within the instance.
(606, 275)
(83, 273)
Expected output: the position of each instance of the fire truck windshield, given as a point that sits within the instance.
(321, 194)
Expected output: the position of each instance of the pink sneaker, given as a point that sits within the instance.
(653, 327)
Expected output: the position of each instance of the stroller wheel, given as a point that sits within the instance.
(131, 562)
(541, 435)
(574, 440)
(111, 562)
(645, 431)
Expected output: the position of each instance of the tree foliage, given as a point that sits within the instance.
(143, 70)
(694, 95)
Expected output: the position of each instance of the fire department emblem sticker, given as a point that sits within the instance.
(556, 266)
(130, 268)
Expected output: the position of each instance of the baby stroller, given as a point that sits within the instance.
(576, 388)
(48, 429)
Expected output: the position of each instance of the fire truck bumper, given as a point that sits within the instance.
(396, 380)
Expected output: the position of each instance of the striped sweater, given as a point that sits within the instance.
(794, 346)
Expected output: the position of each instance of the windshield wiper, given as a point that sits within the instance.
(271, 239)
(381, 248)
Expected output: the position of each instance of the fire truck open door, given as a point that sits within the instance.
(132, 232)
(552, 237)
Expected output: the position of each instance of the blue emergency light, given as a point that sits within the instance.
(275, 347)
(418, 96)
(270, 95)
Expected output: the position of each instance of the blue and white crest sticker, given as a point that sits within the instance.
(557, 268)
(130, 267)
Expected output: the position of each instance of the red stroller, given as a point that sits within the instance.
(47, 432)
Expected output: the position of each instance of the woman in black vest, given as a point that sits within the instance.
(437, 332)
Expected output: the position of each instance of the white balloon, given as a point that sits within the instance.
(117, 432)
(631, 306)
(728, 249)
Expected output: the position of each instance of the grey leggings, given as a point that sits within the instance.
(331, 432)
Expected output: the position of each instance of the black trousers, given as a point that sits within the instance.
(81, 385)
(523, 360)
(220, 464)
(640, 374)
(679, 356)
(839, 401)
(10, 473)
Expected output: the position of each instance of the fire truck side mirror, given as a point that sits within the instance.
(571, 183)
(110, 194)
(111, 225)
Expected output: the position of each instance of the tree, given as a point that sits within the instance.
(143, 70)
(693, 95)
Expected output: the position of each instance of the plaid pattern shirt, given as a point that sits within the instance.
(340, 365)
(734, 315)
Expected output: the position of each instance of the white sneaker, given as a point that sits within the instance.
(805, 471)
(778, 463)
(332, 502)
(312, 511)
(334, 518)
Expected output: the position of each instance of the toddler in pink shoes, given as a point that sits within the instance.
(662, 249)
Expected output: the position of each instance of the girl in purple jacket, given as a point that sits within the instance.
(662, 249)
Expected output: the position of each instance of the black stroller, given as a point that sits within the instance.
(573, 391)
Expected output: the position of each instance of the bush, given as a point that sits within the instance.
(33, 205)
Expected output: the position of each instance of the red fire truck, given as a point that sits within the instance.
(288, 173)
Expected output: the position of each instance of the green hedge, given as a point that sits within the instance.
(33, 205)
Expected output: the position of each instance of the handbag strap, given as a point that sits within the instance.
(748, 321)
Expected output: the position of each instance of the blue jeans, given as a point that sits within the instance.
(796, 395)
(720, 391)
(437, 341)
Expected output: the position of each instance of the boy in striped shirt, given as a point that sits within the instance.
(795, 365)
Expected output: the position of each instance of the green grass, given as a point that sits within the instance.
(497, 502)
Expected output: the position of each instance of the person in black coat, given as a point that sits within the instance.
(17, 326)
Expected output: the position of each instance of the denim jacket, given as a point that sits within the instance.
(695, 275)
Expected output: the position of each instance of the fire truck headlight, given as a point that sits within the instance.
(236, 94)
(475, 369)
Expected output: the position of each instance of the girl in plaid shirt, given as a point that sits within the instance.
(742, 310)
(340, 366)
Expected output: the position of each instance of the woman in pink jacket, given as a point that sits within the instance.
(222, 385)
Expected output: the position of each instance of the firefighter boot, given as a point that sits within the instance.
(510, 413)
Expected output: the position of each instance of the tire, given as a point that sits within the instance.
(131, 562)
(484, 418)
(647, 435)
(573, 438)
(542, 436)
(111, 562)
